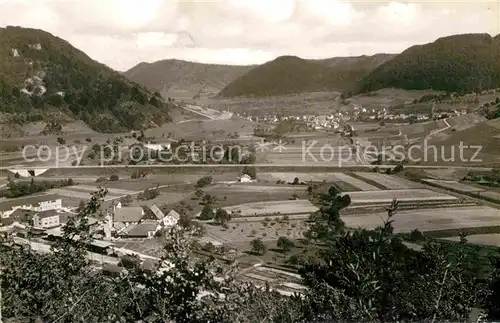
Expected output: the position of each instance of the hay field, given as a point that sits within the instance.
(357, 182)
(244, 188)
(430, 219)
(413, 195)
(304, 177)
(389, 181)
(274, 207)
(315, 156)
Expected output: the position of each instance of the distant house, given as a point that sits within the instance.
(64, 217)
(46, 219)
(171, 219)
(145, 229)
(19, 216)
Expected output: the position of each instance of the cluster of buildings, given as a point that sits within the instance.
(339, 114)
(46, 215)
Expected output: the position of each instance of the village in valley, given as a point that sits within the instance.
(254, 211)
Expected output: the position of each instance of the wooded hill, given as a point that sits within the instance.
(291, 75)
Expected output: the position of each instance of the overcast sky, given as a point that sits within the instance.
(122, 33)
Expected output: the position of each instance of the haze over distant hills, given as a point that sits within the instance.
(43, 77)
(291, 74)
(284, 75)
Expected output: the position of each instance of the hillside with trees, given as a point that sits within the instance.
(460, 63)
(167, 76)
(43, 77)
(291, 75)
(357, 275)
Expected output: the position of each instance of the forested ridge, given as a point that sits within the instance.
(291, 75)
(42, 76)
(357, 276)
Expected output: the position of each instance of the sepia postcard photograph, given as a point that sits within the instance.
(277, 161)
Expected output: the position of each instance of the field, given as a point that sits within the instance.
(490, 239)
(388, 181)
(430, 219)
(318, 177)
(413, 195)
(244, 232)
(454, 185)
(356, 182)
(274, 207)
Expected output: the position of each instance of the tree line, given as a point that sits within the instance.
(358, 275)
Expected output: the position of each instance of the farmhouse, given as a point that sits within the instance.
(46, 219)
(171, 219)
(34, 203)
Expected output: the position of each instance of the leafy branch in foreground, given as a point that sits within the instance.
(358, 275)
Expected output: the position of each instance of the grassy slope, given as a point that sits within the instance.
(92, 92)
(485, 134)
(459, 63)
(285, 75)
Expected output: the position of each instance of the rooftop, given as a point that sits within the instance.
(27, 200)
(47, 214)
(157, 211)
(140, 230)
(174, 214)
